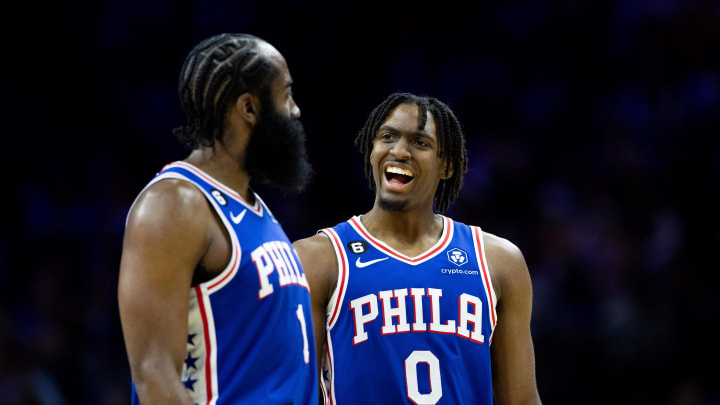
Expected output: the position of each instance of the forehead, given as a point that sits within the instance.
(275, 57)
(406, 118)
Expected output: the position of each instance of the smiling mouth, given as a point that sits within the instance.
(396, 175)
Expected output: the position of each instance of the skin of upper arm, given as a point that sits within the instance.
(512, 353)
(165, 238)
(318, 260)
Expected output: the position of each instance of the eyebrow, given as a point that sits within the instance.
(417, 133)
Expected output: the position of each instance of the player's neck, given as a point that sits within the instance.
(405, 227)
(227, 169)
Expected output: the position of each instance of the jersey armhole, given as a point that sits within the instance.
(335, 302)
(227, 274)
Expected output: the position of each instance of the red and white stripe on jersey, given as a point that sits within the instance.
(487, 280)
(217, 282)
(336, 300)
(229, 272)
(201, 326)
(333, 311)
(441, 245)
(328, 387)
(256, 208)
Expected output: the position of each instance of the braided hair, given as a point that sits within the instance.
(215, 73)
(451, 141)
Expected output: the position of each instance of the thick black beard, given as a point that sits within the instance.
(276, 153)
(397, 206)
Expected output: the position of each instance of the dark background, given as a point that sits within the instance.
(592, 130)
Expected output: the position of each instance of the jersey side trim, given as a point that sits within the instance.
(331, 373)
(333, 310)
(338, 296)
(487, 280)
(209, 345)
(441, 244)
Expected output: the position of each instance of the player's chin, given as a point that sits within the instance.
(393, 204)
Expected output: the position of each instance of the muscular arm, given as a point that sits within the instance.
(165, 239)
(512, 353)
(320, 265)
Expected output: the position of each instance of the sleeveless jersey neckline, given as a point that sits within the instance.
(439, 246)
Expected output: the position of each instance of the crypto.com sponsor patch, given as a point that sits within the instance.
(460, 272)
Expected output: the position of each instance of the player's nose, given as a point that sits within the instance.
(295, 111)
(401, 149)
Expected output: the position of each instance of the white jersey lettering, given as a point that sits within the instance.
(398, 312)
(419, 325)
(277, 255)
(279, 262)
(300, 276)
(264, 266)
(435, 325)
(475, 318)
(361, 319)
(365, 310)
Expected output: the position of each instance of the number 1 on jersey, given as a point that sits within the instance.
(411, 380)
(303, 328)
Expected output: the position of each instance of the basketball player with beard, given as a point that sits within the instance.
(410, 306)
(214, 304)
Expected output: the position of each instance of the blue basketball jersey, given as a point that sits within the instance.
(250, 336)
(409, 330)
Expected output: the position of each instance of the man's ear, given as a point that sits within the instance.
(247, 106)
(447, 170)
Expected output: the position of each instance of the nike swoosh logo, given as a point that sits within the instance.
(360, 264)
(239, 217)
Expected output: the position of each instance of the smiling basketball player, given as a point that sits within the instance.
(411, 306)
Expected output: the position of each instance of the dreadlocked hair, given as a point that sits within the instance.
(451, 141)
(215, 73)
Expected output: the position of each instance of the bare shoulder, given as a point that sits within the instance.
(169, 212)
(167, 199)
(316, 253)
(317, 256)
(505, 261)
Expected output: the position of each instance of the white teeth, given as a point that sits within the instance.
(397, 170)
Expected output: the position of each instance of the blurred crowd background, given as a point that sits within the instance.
(592, 129)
